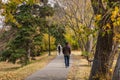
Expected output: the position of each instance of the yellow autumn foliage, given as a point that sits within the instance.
(46, 42)
(115, 12)
(98, 17)
(108, 25)
(115, 16)
(116, 37)
(110, 70)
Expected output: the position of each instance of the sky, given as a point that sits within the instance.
(1, 17)
(4, 1)
(1, 20)
(51, 2)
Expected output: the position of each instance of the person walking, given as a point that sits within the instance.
(66, 52)
(59, 48)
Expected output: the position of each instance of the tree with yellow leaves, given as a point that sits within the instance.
(77, 16)
(107, 16)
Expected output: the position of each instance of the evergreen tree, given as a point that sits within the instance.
(29, 21)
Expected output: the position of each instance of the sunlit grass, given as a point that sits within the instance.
(15, 72)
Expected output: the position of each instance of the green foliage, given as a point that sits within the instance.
(58, 32)
(37, 43)
(30, 26)
(13, 55)
(46, 11)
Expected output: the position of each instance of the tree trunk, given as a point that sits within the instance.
(89, 44)
(29, 52)
(100, 67)
(104, 49)
(116, 75)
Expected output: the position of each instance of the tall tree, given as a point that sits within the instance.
(116, 73)
(78, 16)
(105, 46)
(27, 19)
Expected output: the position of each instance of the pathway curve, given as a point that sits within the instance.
(55, 70)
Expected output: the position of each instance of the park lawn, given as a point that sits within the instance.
(10, 71)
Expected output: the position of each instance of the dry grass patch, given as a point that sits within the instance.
(15, 72)
(76, 53)
(80, 69)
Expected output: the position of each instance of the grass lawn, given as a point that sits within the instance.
(9, 71)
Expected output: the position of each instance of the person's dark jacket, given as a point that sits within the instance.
(66, 50)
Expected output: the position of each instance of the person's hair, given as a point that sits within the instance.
(66, 43)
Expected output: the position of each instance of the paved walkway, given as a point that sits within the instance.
(55, 70)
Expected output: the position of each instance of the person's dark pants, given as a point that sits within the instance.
(66, 58)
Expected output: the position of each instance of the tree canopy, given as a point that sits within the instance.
(92, 26)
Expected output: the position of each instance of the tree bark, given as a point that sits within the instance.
(89, 44)
(116, 74)
(100, 68)
(104, 54)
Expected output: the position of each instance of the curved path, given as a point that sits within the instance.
(55, 70)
